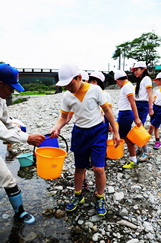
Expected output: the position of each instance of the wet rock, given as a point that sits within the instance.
(59, 214)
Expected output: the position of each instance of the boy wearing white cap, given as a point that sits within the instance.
(89, 133)
(127, 114)
(156, 117)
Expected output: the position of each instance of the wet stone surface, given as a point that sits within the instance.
(133, 197)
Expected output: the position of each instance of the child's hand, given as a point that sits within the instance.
(151, 112)
(138, 122)
(54, 133)
(116, 139)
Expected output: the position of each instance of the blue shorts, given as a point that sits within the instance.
(87, 142)
(143, 110)
(156, 117)
(125, 120)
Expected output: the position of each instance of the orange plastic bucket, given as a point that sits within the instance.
(50, 162)
(139, 135)
(115, 153)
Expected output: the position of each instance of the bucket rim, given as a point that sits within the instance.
(20, 156)
(49, 157)
(122, 141)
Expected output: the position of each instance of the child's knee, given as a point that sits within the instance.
(99, 171)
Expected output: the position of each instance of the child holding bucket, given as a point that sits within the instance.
(97, 78)
(143, 99)
(156, 117)
(89, 133)
(127, 114)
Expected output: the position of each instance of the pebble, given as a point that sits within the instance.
(133, 197)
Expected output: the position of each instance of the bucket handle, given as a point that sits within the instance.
(61, 138)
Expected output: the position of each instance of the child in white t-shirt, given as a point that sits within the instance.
(144, 100)
(89, 133)
(127, 114)
(156, 117)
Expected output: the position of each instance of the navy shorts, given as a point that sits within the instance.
(125, 120)
(156, 117)
(143, 110)
(87, 142)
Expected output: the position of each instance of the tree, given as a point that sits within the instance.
(141, 49)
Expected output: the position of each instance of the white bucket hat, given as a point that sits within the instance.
(66, 73)
(98, 75)
(139, 64)
(85, 75)
(158, 76)
(119, 74)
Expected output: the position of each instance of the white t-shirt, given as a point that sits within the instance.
(85, 104)
(126, 91)
(158, 97)
(108, 97)
(144, 84)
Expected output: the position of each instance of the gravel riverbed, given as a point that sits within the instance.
(133, 197)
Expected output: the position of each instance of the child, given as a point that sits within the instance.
(85, 76)
(143, 99)
(89, 133)
(156, 117)
(127, 114)
(97, 78)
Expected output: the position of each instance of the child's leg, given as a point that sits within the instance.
(156, 132)
(100, 179)
(151, 129)
(133, 160)
(78, 197)
(78, 178)
(100, 185)
(157, 143)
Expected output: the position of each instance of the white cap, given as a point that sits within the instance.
(85, 75)
(158, 76)
(66, 73)
(98, 75)
(139, 64)
(119, 74)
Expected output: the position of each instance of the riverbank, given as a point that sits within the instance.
(133, 197)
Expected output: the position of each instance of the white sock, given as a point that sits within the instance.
(133, 158)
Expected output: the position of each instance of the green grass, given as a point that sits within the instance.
(18, 101)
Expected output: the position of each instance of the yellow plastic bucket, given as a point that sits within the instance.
(50, 162)
(115, 153)
(139, 135)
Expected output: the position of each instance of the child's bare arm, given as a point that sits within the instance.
(59, 124)
(134, 109)
(110, 117)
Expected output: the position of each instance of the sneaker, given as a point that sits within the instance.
(157, 145)
(130, 165)
(144, 157)
(138, 152)
(74, 203)
(100, 206)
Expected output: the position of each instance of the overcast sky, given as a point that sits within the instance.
(47, 33)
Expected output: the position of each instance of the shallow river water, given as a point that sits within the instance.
(35, 201)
